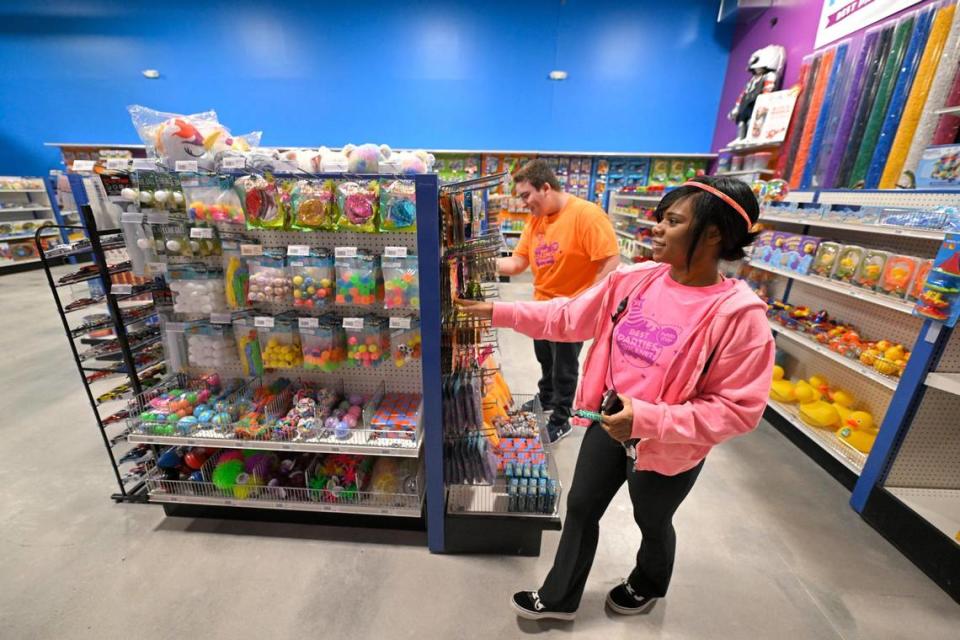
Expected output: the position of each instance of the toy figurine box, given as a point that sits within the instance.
(940, 167)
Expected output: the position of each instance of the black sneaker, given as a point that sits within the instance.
(528, 605)
(625, 601)
(529, 404)
(557, 432)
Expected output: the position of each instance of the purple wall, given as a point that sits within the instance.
(795, 29)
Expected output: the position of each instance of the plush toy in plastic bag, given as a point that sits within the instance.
(366, 158)
(412, 162)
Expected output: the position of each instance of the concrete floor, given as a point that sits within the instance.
(768, 546)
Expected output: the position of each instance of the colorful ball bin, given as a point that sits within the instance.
(357, 280)
(312, 280)
(401, 283)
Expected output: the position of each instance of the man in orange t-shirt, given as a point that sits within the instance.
(569, 244)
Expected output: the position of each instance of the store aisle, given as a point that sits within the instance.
(768, 546)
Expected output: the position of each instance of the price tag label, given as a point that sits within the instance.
(187, 166)
(175, 326)
(309, 323)
(296, 263)
(83, 165)
(144, 164)
(251, 250)
(399, 323)
(157, 268)
(353, 323)
(298, 250)
(158, 217)
(335, 166)
(345, 252)
(118, 164)
(121, 289)
(265, 322)
(221, 318)
(201, 232)
(394, 252)
(234, 163)
(131, 216)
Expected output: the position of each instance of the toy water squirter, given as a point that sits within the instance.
(782, 390)
(859, 431)
(815, 411)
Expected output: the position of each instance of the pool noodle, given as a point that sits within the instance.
(943, 80)
(885, 87)
(891, 121)
(871, 81)
(948, 125)
(813, 115)
(826, 108)
(808, 74)
(847, 111)
(939, 30)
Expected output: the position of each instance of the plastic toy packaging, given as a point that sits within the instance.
(324, 346)
(401, 283)
(916, 288)
(196, 289)
(366, 341)
(392, 476)
(357, 280)
(311, 206)
(236, 276)
(848, 262)
(263, 203)
(248, 347)
(871, 269)
(205, 241)
(940, 297)
(211, 346)
(312, 278)
(357, 204)
(280, 345)
(159, 192)
(176, 240)
(398, 206)
(898, 274)
(269, 283)
(404, 342)
(340, 478)
(212, 200)
(825, 260)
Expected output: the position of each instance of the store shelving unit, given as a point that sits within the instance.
(22, 212)
(908, 486)
(624, 210)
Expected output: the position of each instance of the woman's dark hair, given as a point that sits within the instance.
(709, 210)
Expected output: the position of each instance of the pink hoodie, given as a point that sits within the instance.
(696, 409)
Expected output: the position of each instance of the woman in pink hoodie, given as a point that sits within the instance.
(686, 355)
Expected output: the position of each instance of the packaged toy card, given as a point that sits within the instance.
(404, 341)
(825, 259)
(848, 262)
(940, 297)
(401, 283)
(236, 275)
(916, 287)
(357, 205)
(898, 273)
(248, 347)
(312, 206)
(398, 205)
(312, 278)
(262, 203)
(357, 279)
(280, 345)
(211, 199)
(367, 341)
(268, 280)
(871, 269)
(324, 345)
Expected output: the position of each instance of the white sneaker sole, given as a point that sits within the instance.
(631, 611)
(562, 435)
(545, 615)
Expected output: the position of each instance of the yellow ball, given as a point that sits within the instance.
(298, 280)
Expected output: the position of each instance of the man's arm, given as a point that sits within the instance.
(606, 266)
(513, 265)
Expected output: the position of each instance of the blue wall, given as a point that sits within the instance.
(644, 75)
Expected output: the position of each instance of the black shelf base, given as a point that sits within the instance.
(339, 520)
(831, 465)
(502, 535)
(930, 549)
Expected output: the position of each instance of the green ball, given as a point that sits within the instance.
(173, 418)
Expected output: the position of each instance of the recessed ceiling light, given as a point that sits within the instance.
(153, 74)
(558, 75)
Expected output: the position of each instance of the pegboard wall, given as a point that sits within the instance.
(919, 247)
(801, 363)
(873, 321)
(372, 242)
(950, 360)
(930, 455)
(901, 198)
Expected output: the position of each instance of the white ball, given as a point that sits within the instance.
(174, 246)
(178, 197)
(129, 194)
(146, 197)
(161, 195)
(144, 243)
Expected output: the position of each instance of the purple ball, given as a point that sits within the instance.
(356, 398)
(342, 431)
(331, 422)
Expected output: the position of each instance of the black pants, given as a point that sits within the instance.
(560, 367)
(602, 467)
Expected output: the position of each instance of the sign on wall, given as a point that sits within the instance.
(839, 18)
(771, 117)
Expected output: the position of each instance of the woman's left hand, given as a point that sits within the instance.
(620, 425)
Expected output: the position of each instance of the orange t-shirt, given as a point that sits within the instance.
(563, 248)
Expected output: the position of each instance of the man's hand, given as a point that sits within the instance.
(620, 425)
(512, 266)
(483, 310)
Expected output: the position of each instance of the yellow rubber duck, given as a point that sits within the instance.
(781, 390)
(820, 384)
(817, 412)
(805, 393)
(858, 431)
(843, 402)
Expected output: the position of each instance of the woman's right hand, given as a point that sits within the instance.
(483, 310)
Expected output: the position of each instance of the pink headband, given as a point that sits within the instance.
(720, 194)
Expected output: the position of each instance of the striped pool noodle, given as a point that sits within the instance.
(813, 115)
(949, 125)
(808, 73)
(836, 79)
(943, 80)
(939, 30)
(901, 38)
(847, 111)
(891, 121)
(871, 82)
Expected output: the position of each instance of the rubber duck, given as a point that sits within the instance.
(781, 390)
(820, 384)
(858, 431)
(843, 402)
(819, 413)
(805, 394)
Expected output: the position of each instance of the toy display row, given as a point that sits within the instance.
(863, 121)
(282, 411)
(251, 475)
(20, 184)
(896, 275)
(201, 138)
(823, 407)
(943, 218)
(523, 463)
(311, 282)
(313, 344)
(886, 357)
